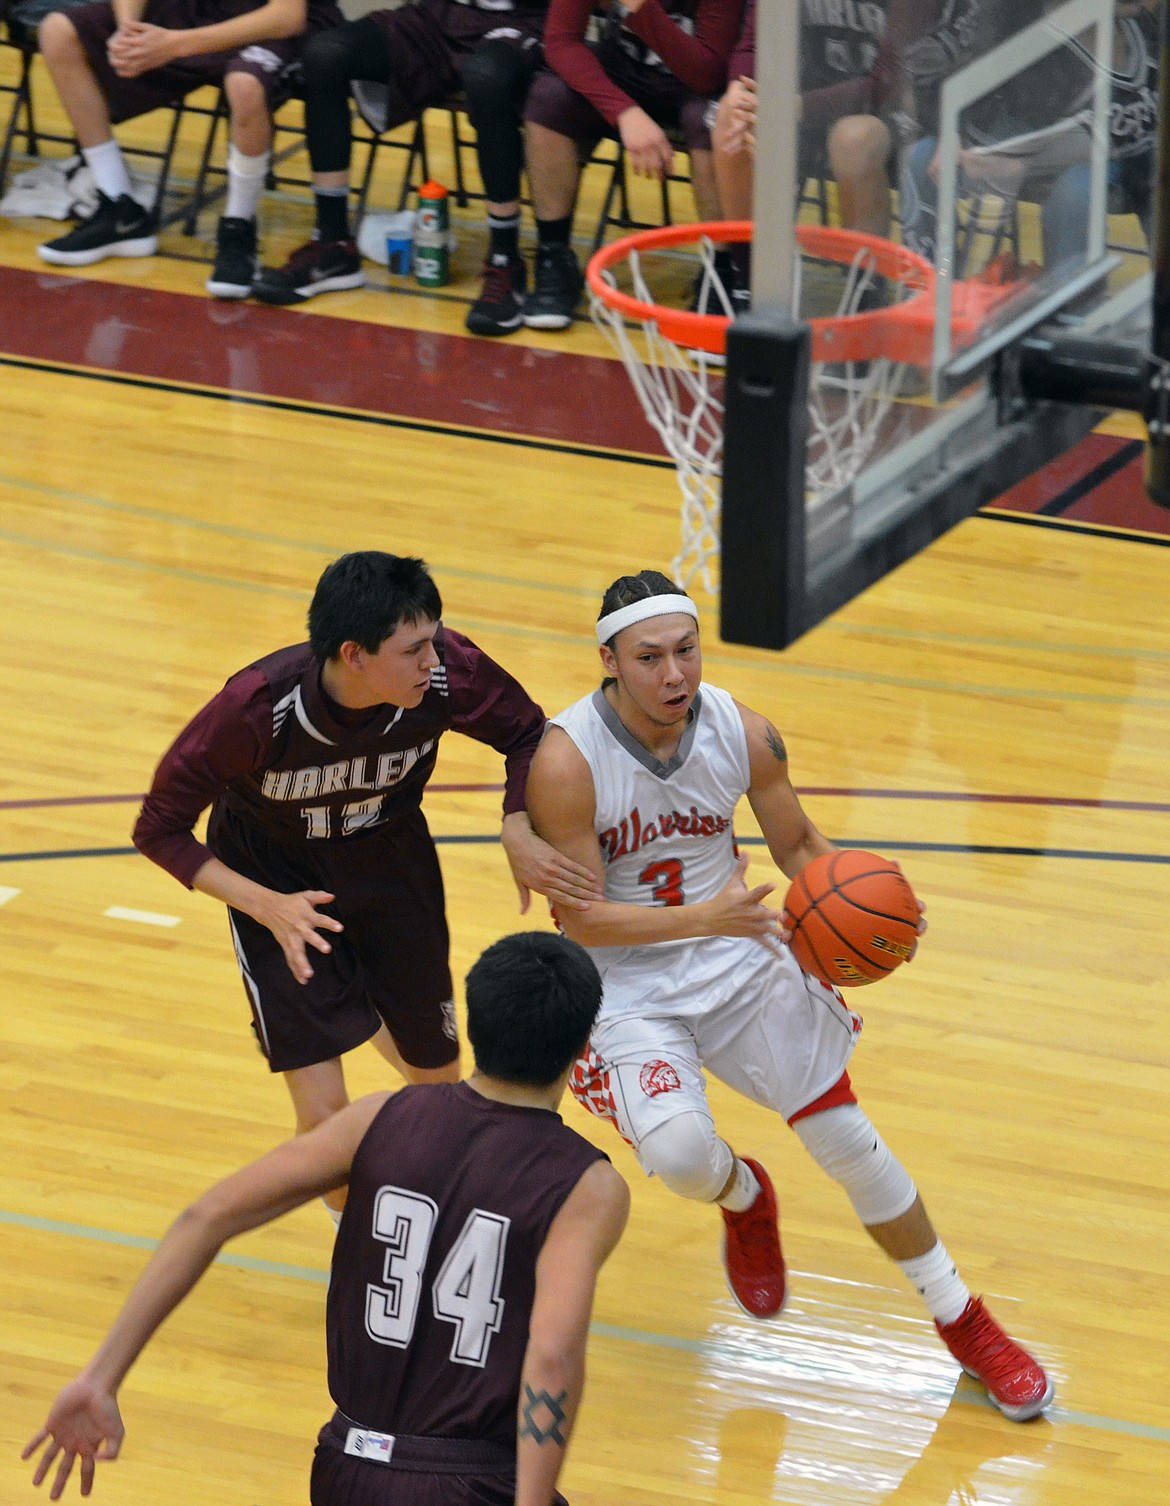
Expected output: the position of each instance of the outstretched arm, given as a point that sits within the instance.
(562, 804)
(580, 1240)
(84, 1423)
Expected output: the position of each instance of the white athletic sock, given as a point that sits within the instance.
(108, 167)
(245, 184)
(334, 1214)
(744, 1190)
(938, 1283)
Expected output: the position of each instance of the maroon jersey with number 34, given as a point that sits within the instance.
(450, 1198)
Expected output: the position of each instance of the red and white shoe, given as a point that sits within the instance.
(752, 1256)
(1015, 1382)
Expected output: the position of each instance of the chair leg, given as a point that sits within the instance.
(374, 141)
(615, 189)
(199, 194)
(164, 172)
(457, 153)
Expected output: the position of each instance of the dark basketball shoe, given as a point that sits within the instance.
(557, 290)
(117, 227)
(316, 267)
(1015, 1382)
(235, 259)
(499, 309)
(752, 1256)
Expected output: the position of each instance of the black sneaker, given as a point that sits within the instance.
(316, 267)
(557, 292)
(235, 259)
(499, 309)
(117, 227)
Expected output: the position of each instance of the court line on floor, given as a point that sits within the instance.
(349, 415)
(649, 1338)
(715, 656)
(870, 844)
(1118, 532)
(490, 578)
(850, 792)
(258, 536)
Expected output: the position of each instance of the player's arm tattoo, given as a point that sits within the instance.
(776, 743)
(542, 1415)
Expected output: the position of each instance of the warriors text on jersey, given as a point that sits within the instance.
(450, 1198)
(665, 829)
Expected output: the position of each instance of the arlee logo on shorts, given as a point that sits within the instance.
(658, 1077)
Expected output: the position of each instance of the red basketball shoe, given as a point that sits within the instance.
(752, 1256)
(1015, 1382)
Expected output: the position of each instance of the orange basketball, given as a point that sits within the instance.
(853, 918)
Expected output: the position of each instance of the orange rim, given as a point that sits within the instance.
(903, 332)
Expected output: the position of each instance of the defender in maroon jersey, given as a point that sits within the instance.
(314, 760)
(464, 1269)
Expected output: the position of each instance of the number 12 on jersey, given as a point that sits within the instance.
(666, 877)
(466, 1292)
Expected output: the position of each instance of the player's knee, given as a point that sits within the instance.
(247, 101)
(844, 1143)
(858, 144)
(57, 38)
(325, 60)
(688, 1157)
(492, 76)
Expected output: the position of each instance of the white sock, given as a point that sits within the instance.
(744, 1190)
(938, 1283)
(108, 167)
(334, 1214)
(246, 179)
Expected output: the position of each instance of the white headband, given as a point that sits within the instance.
(639, 611)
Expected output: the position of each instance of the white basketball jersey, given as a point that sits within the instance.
(665, 829)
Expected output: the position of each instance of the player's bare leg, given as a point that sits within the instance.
(859, 148)
(119, 225)
(554, 170)
(75, 81)
(384, 1042)
(317, 1093)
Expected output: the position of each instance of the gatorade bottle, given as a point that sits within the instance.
(431, 230)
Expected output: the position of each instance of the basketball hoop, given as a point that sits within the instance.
(674, 356)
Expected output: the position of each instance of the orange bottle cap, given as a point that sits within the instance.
(432, 190)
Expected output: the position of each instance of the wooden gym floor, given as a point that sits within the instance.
(996, 714)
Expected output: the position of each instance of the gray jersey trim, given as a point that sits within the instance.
(634, 748)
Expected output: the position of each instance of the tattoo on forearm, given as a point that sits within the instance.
(542, 1415)
(776, 743)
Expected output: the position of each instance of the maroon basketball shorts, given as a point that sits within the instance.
(429, 39)
(390, 964)
(125, 98)
(354, 1467)
(551, 103)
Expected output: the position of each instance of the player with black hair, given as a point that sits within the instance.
(314, 760)
(639, 782)
(463, 1273)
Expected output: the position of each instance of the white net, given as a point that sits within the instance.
(681, 392)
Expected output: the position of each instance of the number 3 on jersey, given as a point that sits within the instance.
(666, 877)
(466, 1291)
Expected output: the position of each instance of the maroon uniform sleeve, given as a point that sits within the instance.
(229, 738)
(489, 705)
(566, 53)
(699, 61)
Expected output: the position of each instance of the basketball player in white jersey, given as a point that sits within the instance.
(640, 782)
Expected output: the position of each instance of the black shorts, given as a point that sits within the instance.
(429, 41)
(667, 101)
(420, 1472)
(269, 61)
(390, 964)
